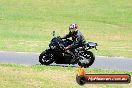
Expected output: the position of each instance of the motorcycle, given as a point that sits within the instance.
(57, 53)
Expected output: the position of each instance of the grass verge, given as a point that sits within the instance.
(38, 76)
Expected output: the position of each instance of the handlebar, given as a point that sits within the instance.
(62, 46)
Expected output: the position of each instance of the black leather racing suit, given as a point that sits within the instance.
(77, 38)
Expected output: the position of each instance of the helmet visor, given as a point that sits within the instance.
(72, 29)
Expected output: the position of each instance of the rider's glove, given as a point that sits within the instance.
(68, 47)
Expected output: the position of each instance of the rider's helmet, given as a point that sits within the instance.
(73, 27)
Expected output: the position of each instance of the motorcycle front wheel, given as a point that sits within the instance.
(46, 57)
(86, 59)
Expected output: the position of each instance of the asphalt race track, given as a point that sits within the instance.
(115, 63)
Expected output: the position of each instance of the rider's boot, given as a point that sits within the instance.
(76, 53)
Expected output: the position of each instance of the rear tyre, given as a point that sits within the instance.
(46, 57)
(86, 59)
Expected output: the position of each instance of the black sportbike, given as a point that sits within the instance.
(57, 54)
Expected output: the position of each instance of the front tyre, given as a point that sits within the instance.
(46, 57)
(86, 59)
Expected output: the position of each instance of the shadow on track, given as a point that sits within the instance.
(61, 65)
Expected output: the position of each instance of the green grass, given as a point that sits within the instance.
(26, 25)
(38, 76)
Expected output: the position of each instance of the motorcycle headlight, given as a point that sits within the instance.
(52, 47)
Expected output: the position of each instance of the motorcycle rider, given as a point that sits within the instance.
(78, 39)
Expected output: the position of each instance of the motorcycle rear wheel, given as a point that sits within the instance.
(89, 57)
